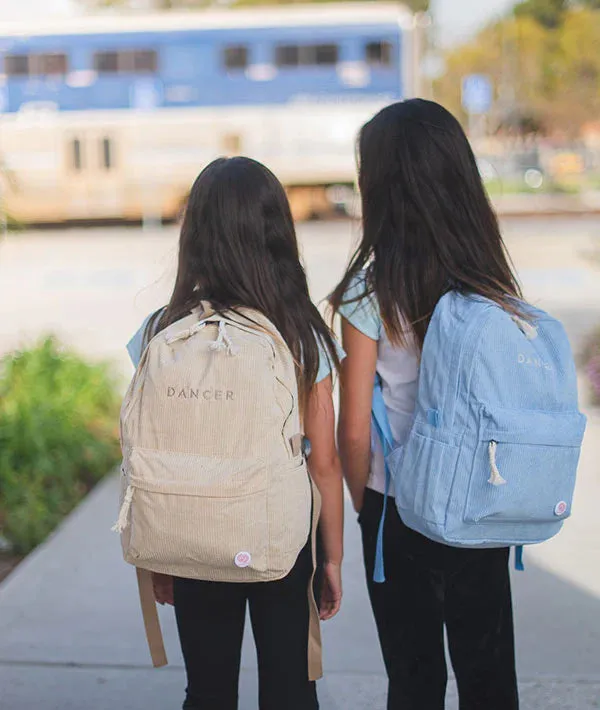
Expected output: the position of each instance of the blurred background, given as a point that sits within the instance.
(108, 111)
(109, 106)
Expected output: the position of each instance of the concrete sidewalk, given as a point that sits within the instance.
(71, 634)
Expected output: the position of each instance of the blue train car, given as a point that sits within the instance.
(111, 116)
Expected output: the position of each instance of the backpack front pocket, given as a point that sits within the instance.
(191, 536)
(195, 517)
(524, 467)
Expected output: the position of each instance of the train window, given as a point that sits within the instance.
(76, 154)
(287, 55)
(324, 54)
(139, 61)
(51, 64)
(54, 64)
(235, 57)
(379, 53)
(107, 155)
(16, 64)
(293, 55)
(106, 62)
(145, 60)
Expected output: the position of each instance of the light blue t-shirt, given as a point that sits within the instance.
(135, 348)
(363, 313)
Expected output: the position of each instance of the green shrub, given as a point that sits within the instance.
(58, 437)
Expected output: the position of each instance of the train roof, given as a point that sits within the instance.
(350, 13)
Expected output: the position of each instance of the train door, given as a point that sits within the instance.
(93, 174)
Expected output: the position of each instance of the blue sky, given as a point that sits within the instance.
(456, 19)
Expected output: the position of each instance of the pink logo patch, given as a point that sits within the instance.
(561, 508)
(243, 559)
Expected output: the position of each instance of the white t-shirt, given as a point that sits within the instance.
(397, 367)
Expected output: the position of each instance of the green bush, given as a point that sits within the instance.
(58, 437)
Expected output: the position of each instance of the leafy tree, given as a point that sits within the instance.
(577, 69)
(549, 13)
(544, 77)
(420, 5)
(513, 53)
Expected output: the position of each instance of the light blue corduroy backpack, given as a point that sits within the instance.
(492, 454)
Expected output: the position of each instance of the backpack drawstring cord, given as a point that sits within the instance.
(188, 333)
(123, 520)
(528, 330)
(495, 478)
(223, 341)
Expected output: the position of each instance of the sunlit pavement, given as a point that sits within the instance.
(70, 627)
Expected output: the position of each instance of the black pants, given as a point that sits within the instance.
(429, 586)
(210, 619)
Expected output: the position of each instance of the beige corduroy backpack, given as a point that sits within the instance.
(214, 485)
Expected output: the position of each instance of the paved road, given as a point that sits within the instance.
(70, 631)
(93, 287)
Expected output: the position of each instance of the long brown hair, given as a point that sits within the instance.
(238, 248)
(428, 226)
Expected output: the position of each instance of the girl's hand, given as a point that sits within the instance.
(331, 593)
(163, 588)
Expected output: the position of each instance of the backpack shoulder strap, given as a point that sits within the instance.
(381, 426)
(380, 419)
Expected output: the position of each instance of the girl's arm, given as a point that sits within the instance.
(354, 429)
(326, 471)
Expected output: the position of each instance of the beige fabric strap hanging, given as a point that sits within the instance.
(151, 620)
(315, 647)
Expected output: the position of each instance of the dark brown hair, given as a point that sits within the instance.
(428, 226)
(238, 248)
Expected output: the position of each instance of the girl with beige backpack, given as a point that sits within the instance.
(221, 494)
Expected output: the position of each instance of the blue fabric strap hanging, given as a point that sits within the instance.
(519, 566)
(382, 428)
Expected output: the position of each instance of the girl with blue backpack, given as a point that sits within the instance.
(428, 230)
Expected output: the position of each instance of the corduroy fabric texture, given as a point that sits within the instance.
(212, 486)
(492, 455)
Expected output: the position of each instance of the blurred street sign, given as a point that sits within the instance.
(477, 94)
(145, 94)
